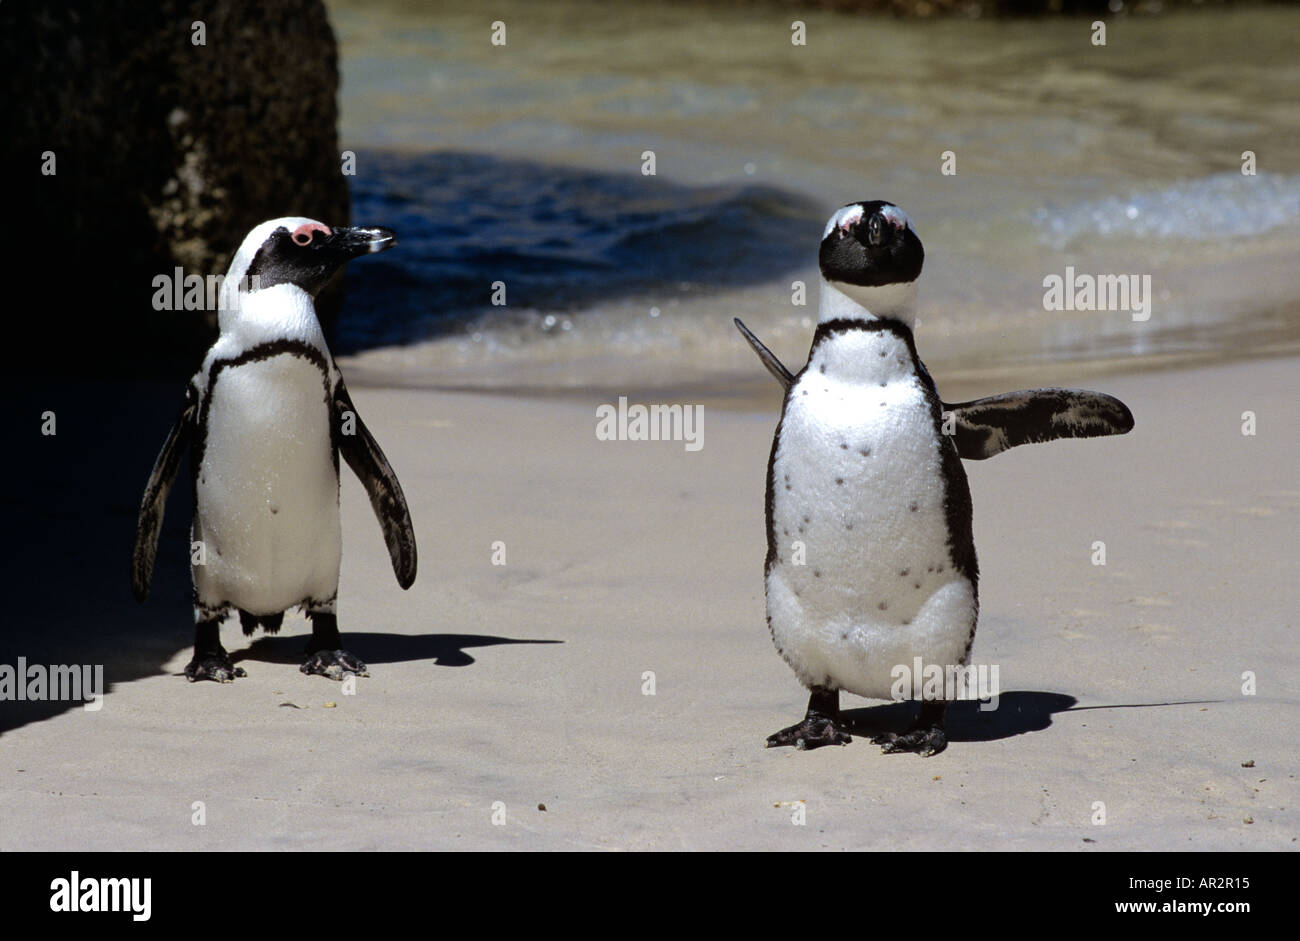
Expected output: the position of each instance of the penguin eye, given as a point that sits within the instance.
(303, 235)
(874, 230)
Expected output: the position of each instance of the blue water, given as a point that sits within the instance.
(560, 239)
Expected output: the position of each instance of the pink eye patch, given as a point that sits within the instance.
(305, 232)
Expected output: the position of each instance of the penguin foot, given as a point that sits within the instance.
(925, 741)
(333, 664)
(812, 732)
(213, 666)
(926, 737)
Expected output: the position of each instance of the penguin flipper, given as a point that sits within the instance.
(364, 456)
(149, 523)
(774, 365)
(989, 426)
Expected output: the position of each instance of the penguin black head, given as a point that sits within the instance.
(870, 253)
(303, 252)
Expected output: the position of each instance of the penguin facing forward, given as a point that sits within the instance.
(870, 554)
(266, 417)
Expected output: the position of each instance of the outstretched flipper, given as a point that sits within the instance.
(989, 426)
(367, 461)
(774, 365)
(985, 427)
(149, 522)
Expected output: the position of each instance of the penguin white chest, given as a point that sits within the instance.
(862, 577)
(267, 513)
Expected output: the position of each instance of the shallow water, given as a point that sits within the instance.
(522, 164)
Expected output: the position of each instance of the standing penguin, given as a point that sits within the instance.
(266, 417)
(870, 556)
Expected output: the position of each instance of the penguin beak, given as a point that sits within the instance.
(363, 240)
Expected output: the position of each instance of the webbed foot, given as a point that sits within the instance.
(925, 738)
(333, 664)
(213, 666)
(821, 726)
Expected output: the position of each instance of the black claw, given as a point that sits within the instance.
(812, 732)
(821, 726)
(333, 664)
(213, 666)
(924, 742)
(925, 738)
(210, 661)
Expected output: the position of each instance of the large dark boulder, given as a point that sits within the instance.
(166, 154)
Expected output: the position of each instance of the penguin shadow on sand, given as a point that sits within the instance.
(1018, 712)
(445, 650)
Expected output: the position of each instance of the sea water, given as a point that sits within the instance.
(517, 173)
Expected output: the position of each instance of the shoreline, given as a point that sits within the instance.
(757, 391)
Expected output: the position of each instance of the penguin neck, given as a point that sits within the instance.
(284, 311)
(854, 345)
(840, 301)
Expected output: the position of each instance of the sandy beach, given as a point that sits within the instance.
(518, 690)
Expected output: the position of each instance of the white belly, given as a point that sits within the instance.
(268, 514)
(857, 480)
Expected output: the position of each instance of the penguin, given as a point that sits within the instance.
(265, 419)
(871, 557)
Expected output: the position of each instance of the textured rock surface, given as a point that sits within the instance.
(166, 152)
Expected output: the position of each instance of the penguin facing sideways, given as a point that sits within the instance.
(870, 555)
(265, 418)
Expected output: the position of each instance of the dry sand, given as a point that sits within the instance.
(522, 684)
